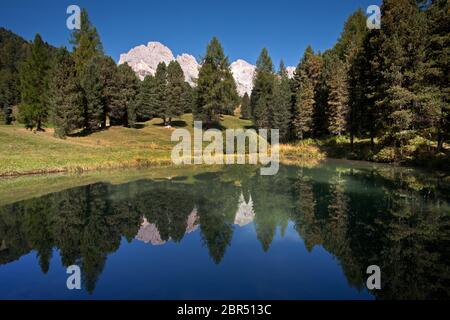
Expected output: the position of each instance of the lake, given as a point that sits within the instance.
(229, 233)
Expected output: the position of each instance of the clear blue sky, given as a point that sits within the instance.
(244, 27)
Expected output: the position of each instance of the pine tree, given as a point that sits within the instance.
(402, 52)
(65, 95)
(86, 42)
(311, 66)
(282, 103)
(34, 86)
(13, 51)
(245, 107)
(160, 107)
(94, 107)
(438, 71)
(337, 98)
(262, 97)
(175, 91)
(146, 100)
(349, 48)
(122, 109)
(216, 90)
(304, 108)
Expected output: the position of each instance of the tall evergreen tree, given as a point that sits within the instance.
(122, 109)
(402, 52)
(304, 108)
(438, 71)
(282, 103)
(262, 97)
(86, 42)
(337, 98)
(160, 107)
(306, 81)
(13, 51)
(175, 91)
(34, 86)
(216, 90)
(146, 99)
(311, 66)
(245, 107)
(94, 108)
(66, 105)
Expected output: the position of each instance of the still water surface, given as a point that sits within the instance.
(306, 233)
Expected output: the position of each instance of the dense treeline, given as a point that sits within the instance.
(82, 90)
(386, 91)
(390, 86)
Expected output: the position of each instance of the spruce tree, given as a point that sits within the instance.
(122, 109)
(311, 66)
(34, 86)
(175, 91)
(216, 90)
(304, 108)
(86, 42)
(245, 107)
(13, 51)
(66, 105)
(262, 97)
(438, 67)
(94, 107)
(146, 100)
(282, 103)
(337, 98)
(402, 52)
(160, 107)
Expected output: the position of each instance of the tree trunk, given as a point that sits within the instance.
(351, 141)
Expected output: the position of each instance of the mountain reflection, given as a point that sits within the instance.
(395, 219)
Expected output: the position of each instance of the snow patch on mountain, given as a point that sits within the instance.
(243, 73)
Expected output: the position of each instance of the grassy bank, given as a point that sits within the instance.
(23, 152)
(416, 152)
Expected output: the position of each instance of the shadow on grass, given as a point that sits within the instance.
(174, 123)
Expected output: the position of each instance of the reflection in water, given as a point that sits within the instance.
(393, 218)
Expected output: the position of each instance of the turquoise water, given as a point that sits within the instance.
(305, 233)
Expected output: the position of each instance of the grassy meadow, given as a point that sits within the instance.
(23, 152)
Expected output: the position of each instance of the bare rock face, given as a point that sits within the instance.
(190, 67)
(245, 213)
(243, 73)
(290, 71)
(144, 59)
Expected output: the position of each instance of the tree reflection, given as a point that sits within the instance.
(399, 221)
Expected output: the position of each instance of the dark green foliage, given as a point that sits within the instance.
(13, 51)
(306, 81)
(245, 107)
(304, 108)
(337, 98)
(282, 103)
(94, 102)
(262, 97)
(216, 90)
(34, 86)
(146, 100)
(160, 107)
(121, 110)
(438, 72)
(86, 42)
(402, 54)
(66, 97)
(176, 103)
